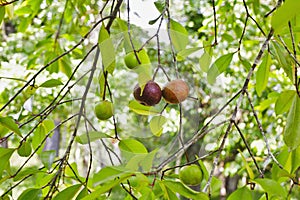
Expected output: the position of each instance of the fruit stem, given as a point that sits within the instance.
(105, 84)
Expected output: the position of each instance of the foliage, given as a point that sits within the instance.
(240, 123)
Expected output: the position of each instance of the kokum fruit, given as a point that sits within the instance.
(131, 60)
(191, 174)
(104, 110)
(150, 96)
(175, 91)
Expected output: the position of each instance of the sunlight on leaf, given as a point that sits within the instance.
(156, 125)
(218, 67)
(291, 134)
(288, 10)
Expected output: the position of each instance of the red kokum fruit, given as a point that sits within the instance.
(150, 96)
(175, 91)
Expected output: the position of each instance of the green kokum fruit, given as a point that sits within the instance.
(191, 174)
(104, 110)
(131, 61)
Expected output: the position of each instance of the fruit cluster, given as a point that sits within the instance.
(174, 92)
(150, 94)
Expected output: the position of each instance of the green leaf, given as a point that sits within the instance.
(205, 61)
(101, 82)
(68, 15)
(27, 171)
(93, 135)
(147, 194)
(134, 163)
(107, 50)
(262, 75)
(3, 131)
(5, 155)
(144, 73)
(203, 169)
(283, 14)
(29, 91)
(45, 128)
(168, 193)
(68, 193)
(84, 192)
(25, 149)
(218, 67)
(5, 178)
(248, 168)
(291, 135)
(72, 170)
(107, 186)
(156, 125)
(9, 11)
(179, 35)
(246, 64)
(109, 173)
(9, 123)
(31, 193)
(271, 187)
(285, 159)
(132, 145)
(241, 192)
(23, 10)
(48, 125)
(2, 13)
(160, 5)
(47, 158)
(295, 159)
(146, 164)
(51, 83)
(141, 109)
(64, 65)
(141, 162)
(284, 101)
(272, 97)
(186, 52)
(178, 187)
(38, 136)
(284, 60)
(216, 185)
(153, 21)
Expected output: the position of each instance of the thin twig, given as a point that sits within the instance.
(263, 132)
(90, 150)
(249, 150)
(277, 5)
(60, 24)
(53, 61)
(169, 37)
(237, 107)
(295, 55)
(5, 3)
(41, 144)
(197, 136)
(215, 23)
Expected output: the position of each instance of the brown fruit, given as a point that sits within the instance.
(151, 94)
(175, 91)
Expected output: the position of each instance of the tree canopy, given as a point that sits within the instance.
(143, 99)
